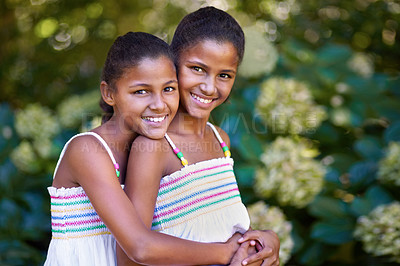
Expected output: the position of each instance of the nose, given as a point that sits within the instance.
(158, 103)
(208, 87)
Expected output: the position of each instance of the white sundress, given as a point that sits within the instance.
(79, 237)
(201, 202)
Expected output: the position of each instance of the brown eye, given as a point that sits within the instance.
(169, 89)
(197, 69)
(225, 76)
(140, 92)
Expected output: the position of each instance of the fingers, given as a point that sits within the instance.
(236, 236)
(267, 245)
(258, 246)
(253, 258)
(271, 261)
(265, 254)
(249, 235)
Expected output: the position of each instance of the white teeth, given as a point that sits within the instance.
(202, 100)
(154, 119)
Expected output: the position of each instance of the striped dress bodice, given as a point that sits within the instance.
(79, 236)
(73, 215)
(201, 202)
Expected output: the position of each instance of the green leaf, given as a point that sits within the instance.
(360, 206)
(332, 176)
(337, 231)
(331, 54)
(377, 195)
(315, 254)
(362, 174)
(388, 108)
(392, 133)
(328, 208)
(369, 147)
(251, 147)
(7, 176)
(245, 175)
(373, 197)
(342, 161)
(327, 134)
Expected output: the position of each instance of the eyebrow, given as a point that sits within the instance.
(147, 85)
(171, 81)
(205, 66)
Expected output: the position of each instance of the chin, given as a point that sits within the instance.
(199, 113)
(155, 134)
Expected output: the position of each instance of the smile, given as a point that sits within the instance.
(154, 119)
(202, 100)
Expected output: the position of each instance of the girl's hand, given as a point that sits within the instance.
(267, 245)
(233, 245)
(247, 248)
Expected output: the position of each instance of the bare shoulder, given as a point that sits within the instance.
(85, 146)
(144, 145)
(224, 135)
(83, 154)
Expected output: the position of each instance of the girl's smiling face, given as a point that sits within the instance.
(206, 74)
(146, 97)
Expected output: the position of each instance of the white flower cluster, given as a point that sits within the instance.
(24, 158)
(362, 64)
(260, 56)
(379, 231)
(280, 10)
(37, 126)
(265, 217)
(389, 166)
(78, 109)
(290, 172)
(36, 122)
(286, 105)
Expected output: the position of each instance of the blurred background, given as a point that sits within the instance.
(314, 117)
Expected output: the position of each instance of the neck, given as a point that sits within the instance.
(119, 138)
(183, 123)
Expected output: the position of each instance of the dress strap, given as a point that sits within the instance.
(102, 141)
(176, 150)
(179, 154)
(225, 148)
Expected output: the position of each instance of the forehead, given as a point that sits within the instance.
(151, 63)
(151, 69)
(211, 48)
(211, 52)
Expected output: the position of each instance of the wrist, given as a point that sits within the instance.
(229, 251)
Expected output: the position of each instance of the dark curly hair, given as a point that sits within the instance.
(126, 52)
(208, 23)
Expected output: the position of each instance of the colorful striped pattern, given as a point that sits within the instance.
(194, 191)
(73, 216)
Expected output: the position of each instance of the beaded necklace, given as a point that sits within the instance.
(179, 154)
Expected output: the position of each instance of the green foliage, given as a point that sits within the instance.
(343, 55)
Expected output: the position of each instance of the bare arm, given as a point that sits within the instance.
(266, 241)
(96, 174)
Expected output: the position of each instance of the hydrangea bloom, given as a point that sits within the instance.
(36, 122)
(24, 158)
(260, 56)
(362, 64)
(389, 166)
(280, 10)
(290, 174)
(78, 109)
(43, 147)
(286, 105)
(379, 231)
(265, 217)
